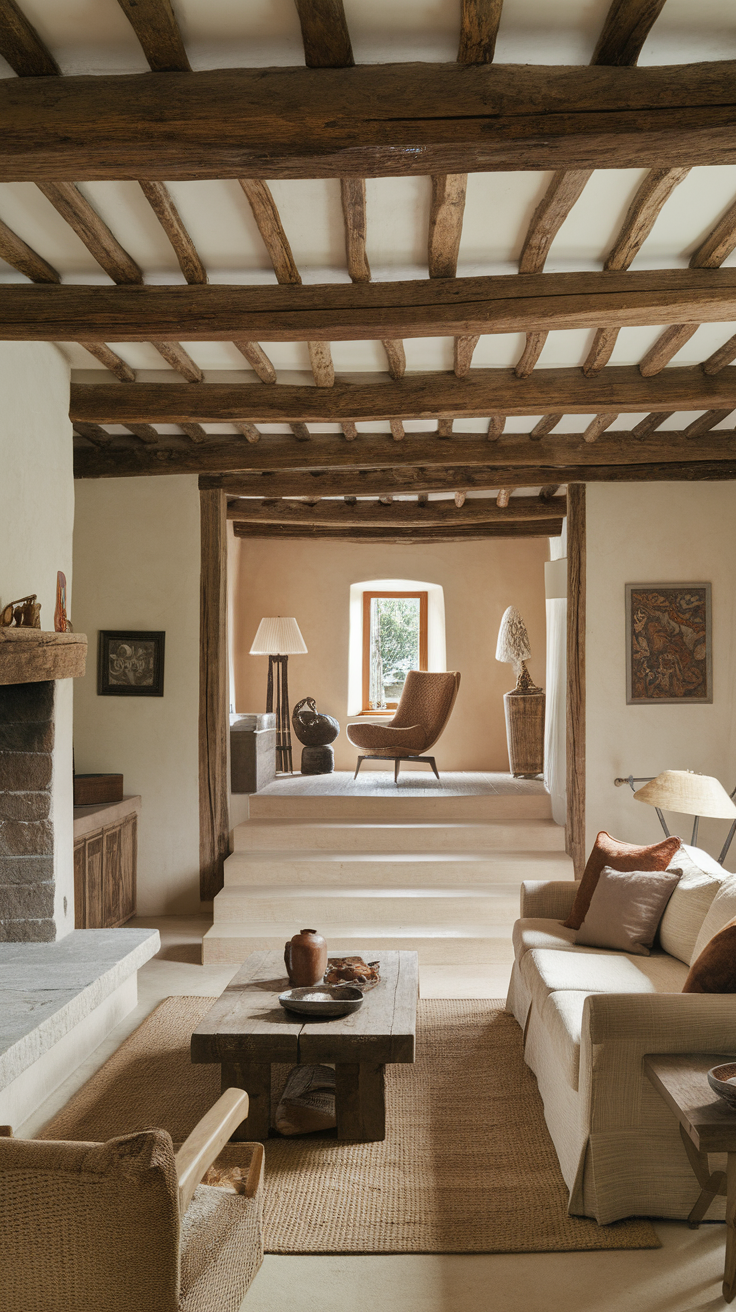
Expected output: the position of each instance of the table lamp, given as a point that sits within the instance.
(524, 706)
(689, 794)
(279, 637)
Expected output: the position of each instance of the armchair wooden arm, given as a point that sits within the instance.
(207, 1140)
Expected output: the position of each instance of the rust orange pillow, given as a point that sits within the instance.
(715, 969)
(625, 857)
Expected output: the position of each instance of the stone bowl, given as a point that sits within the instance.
(722, 1080)
(322, 1000)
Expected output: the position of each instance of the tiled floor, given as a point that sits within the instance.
(683, 1276)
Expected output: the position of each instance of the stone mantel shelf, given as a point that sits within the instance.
(35, 655)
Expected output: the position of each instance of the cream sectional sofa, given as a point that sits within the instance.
(589, 1016)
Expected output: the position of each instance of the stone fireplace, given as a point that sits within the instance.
(36, 858)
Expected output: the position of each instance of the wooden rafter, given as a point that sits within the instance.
(356, 227)
(387, 513)
(666, 347)
(365, 311)
(417, 396)
(446, 223)
(258, 360)
(159, 198)
(550, 527)
(705, 422)
(369, 121)
(155, 25)
(21, 45)
(720, 358)
(626, 28)
(94, 433)
(563, 191)
(478, 30)
(532, 350)
(545, 426)
(106, 356)
(325, 34)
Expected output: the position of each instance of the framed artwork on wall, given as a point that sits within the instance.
(130, 664)
(669, 651)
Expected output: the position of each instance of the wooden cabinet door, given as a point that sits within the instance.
(94, 877)
(129, 854)
(113, 875)
(80, 886)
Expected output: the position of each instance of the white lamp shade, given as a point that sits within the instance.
(278, 635)
(513, 639)
(688, 794)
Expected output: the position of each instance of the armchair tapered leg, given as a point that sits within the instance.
(397, 767)
(433, 765)
(360, 762)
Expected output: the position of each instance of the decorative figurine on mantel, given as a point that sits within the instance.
(524, 706)
(62, 623)
(316, 731)
(25, 613)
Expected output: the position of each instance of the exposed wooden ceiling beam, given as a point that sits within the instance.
(180, 360)
(325, 34)
(446, 211)
(563, 191)
(93, 433)
(535, 303)
(627, 26)
(106, 356)
(159, 198)
(370, 121)
(704, 423)
(76, 210)
(352, 191)
(395, 514)
(545, 426)
(21, 45)
(666, 347)
(720, 358)
(268, 221)
(404, 536)
(478, 30)
(416, 396)
(258, 360)
(155, 25)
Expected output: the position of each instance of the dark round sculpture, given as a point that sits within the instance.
(312, 728)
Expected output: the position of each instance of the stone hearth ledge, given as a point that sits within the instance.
(57, 1003)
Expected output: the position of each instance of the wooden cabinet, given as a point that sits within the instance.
(105, 858)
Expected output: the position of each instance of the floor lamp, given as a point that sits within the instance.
(686, 793)
(279, 637)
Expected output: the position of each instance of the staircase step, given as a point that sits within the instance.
(230, 941)
(403, 909)
(401, 808)
(333, 870)
(390, 836)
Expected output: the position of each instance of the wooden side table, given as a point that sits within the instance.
(707, 1125)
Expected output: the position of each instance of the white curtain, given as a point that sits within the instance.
(555, 729)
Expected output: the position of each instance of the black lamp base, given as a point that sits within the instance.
(283, 722)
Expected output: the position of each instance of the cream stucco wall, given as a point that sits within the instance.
(656, 532)
(36, 524)
(312, 580)
(137, 565)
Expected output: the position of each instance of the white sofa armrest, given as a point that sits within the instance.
(662, 1022)
(547, 899)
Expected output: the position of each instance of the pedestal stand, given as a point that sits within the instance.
(525, 731)
(318, 760)
(283, 722)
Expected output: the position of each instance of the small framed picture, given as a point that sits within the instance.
(669, 650)
(130, 664)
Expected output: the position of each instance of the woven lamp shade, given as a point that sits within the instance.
(513, 639)
(278, 635)
(689, 794)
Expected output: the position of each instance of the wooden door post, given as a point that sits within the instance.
(575, 832)
(213, 695)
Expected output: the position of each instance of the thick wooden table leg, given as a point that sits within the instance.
(360, 1101)
(255, 1078)
(729, 1274)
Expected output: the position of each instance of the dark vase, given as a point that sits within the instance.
(305, 958)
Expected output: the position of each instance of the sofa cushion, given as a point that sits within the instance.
(538, 933)
(714, 971)
(722, 910)
(687, 908)
(626, 908)
(545, 972)
(608, 851)
(562, 1017)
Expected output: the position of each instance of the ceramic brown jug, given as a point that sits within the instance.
(305, 957)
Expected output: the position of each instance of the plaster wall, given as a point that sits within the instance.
(658, 533)
(137, 566)
(312, 581)
(36, 525)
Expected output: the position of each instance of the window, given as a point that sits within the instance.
(394, 642)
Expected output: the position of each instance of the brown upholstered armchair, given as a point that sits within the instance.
(423, 711)
(125, 1226)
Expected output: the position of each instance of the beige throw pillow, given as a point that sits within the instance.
(721, 912)
(626, 909)
(687, 907)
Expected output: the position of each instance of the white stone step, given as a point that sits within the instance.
(401, 808)
(468, 944)
(390, 836)
(334, 870)
(404, 910)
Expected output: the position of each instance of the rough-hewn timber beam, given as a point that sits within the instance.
(399, 514)
(21, 45)
(155, 25)
(368, 311)
(416, 396)
(369, 121)
(550, 527)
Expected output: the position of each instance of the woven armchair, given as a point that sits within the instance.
(125, 1226)
(424, 708)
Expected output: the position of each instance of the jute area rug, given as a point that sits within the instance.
(467, 1166)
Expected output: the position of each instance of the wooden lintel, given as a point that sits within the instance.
(551, 527)
(397, 514)
(368, 311)
(364, 398)
(369, 121)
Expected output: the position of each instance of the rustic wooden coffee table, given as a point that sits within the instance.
(247, 1031)
(707, 1125)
